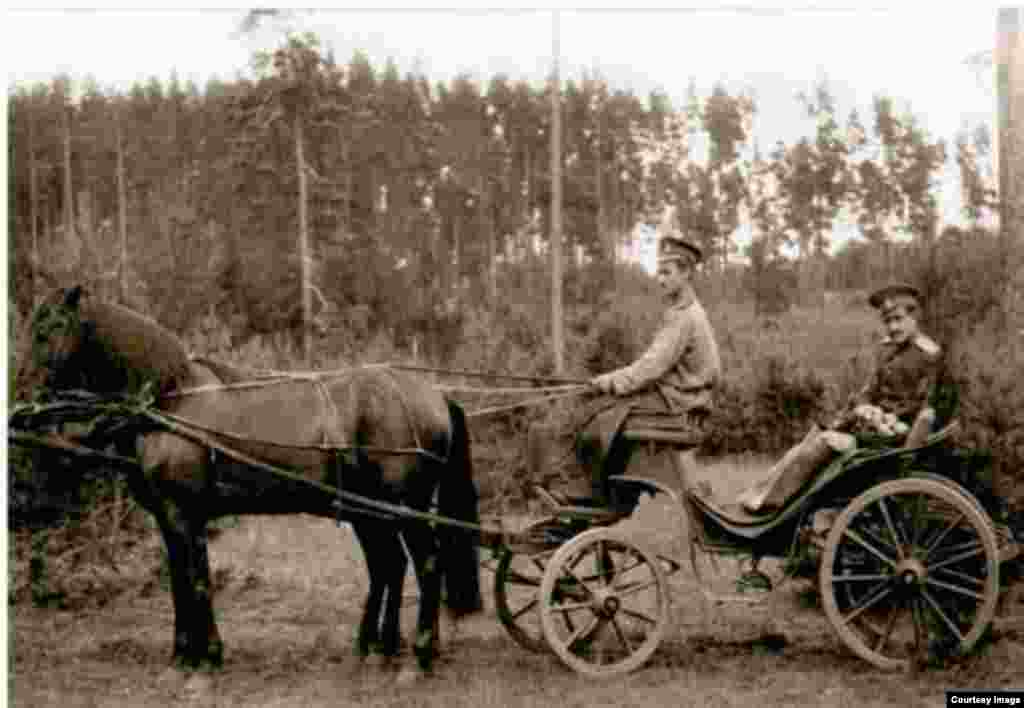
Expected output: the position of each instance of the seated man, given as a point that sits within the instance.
(898, 390)
(676, 374)
(906, 369)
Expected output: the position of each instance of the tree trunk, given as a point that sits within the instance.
(487, 224)
(1010, 79)
(69, 208)
(304, 255)
(34, 207)
(122, 211)
(556, 211)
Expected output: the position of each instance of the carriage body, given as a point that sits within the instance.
(908, 565)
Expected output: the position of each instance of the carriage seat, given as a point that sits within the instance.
(739, 521)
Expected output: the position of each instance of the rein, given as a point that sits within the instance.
(375, 507)
(563, 388)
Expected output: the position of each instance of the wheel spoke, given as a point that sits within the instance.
(867, 532)
(880, 593)
(637, 562)
(622, 636)
(600, 650)
(637, 615)
(526, 608)
(570, 570)
(959, 576)
(520, 579)
(605, 565)
(942, 615)
(890, 624)
(966, 592)
(861, 578)
(871, 549)
(975, 549)
(567, 607)
(582, 632)
(920, 631)
(900, 541)
(631, 589)
(919, 507)
(935, 543)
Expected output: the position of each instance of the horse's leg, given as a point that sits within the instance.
(421, 541)
(211, 651)
(174, 487)
(197, 642)
(181, 586)
(395, 563)
(369, 534)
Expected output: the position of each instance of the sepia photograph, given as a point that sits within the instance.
(515, 356)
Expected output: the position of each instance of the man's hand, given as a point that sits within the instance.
(605, 383)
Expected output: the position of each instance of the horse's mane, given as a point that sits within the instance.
(139, 346)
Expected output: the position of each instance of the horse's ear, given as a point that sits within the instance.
(72, 296)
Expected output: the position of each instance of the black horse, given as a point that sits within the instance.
(373, 431)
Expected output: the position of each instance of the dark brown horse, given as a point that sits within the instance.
(374, 431)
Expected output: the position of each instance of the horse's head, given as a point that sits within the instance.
(55, 336)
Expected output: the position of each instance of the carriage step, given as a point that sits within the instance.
(570, 508)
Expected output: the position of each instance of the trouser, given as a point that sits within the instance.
(603, 452)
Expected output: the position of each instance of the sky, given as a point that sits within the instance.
(916, 52)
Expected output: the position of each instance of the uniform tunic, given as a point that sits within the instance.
(903, 377)
(676, 373)
(682, 361)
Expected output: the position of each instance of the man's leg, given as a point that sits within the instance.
(602, 453)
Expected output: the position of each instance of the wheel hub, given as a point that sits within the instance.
(606, 603)
(911, 572)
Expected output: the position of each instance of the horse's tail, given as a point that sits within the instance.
(457, 499)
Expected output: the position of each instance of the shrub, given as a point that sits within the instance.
(986, 369)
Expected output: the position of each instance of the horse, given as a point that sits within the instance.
(373, 431)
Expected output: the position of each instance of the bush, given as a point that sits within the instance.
(986, 369)
(768, 412)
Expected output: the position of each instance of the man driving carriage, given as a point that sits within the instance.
(673, 379)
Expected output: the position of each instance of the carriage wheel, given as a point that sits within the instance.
(910, 572)
(604, 603)
(517, 596)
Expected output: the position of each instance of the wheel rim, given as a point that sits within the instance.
(517, 597)
(604, 604)
(910, 572)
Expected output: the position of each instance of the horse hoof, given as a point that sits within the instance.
(200, 690)
(378, 661)
(171, 678)
(409, 676)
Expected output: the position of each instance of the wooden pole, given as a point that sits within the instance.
(556, 206)
(304, 254)
(34, 204)
(122, 209)
(69, 207)
(1010, 125)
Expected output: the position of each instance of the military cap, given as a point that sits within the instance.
(673, 247)
(888, 298)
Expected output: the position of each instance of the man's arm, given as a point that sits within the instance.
(664, 352)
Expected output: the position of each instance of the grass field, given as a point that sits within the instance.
(289, 594)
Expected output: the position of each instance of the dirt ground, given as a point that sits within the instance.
(289, 596)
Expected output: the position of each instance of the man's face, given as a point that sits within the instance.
(673, 276)
(900, 325)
